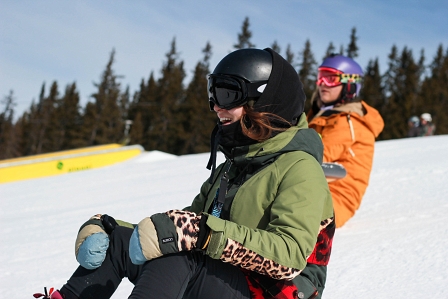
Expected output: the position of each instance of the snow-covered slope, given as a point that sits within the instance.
(396, 246)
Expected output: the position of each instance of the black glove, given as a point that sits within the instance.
(109, 223)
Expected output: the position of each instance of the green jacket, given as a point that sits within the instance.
(277, 202)
(272, 220)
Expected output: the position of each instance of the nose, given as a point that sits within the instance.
(216, 108)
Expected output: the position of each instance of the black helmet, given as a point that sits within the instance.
(260, 78)
(250, 64)
(239, 77)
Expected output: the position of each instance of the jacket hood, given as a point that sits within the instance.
(373, 120)
(283, 95)
(369, 116)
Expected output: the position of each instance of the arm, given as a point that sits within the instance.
(281, 249)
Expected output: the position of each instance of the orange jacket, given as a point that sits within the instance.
(348, 134)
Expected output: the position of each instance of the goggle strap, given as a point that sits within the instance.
(253, 88)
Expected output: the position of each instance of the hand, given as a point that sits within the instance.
(166, 233)
(92, 241)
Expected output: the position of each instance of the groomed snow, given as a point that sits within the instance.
(396, 246)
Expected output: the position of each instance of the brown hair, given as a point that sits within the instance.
(258, 125)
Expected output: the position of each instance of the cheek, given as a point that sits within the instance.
(337, 90)
(334, 92)
(237, 113)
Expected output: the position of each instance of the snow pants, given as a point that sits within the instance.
(184, 275)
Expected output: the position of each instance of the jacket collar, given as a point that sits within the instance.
(295, 138)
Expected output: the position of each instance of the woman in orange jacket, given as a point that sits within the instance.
(348, 127)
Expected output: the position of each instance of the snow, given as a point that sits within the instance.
(395, 246)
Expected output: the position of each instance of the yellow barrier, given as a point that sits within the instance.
(65, 161)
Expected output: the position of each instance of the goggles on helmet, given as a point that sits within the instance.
(332, 77)
(228, 92)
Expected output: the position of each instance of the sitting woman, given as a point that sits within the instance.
(262, 224)
(348, 127)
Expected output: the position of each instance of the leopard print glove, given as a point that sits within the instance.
(167, 233)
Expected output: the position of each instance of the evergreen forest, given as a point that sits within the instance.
(167, 114)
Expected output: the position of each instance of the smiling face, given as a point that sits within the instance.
(227, 117)
(329, 94)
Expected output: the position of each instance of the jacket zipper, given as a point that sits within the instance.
(352, 133)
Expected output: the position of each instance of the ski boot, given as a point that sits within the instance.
(54, 294)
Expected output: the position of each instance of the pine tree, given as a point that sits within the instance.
(89, 122)
(372, 91)
(307, 72)
(108, 125)
(124, 105)
(330, 50)
(44, 120)
(434, 92)
(29, 127)
(31, 124)
(200, 120)
(402, 87)
(70, 120)
(289, 55)
(275, 47)
(8, 138)
(22, 130)
(420, 70)
(352, 48)
(51, 137)
(165, 132)
(144, 103)
(245, 36)
(136, 133)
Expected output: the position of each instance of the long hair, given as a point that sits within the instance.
(260, 126)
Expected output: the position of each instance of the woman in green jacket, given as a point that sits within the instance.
(262, 224)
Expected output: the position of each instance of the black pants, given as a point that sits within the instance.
(183, 275)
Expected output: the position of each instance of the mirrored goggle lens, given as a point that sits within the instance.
(334, 79)
(225, 92)
(329, 78)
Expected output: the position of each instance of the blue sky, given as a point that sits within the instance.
(70, 41)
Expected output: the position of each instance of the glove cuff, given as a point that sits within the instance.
(204, 233)
(108, 223)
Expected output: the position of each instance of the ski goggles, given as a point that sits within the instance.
(331, 77)
(228, 92)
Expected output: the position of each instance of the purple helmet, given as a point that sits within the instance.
(345, 65)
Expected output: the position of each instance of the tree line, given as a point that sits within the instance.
(166, 115)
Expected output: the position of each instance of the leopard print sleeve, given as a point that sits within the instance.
(236, 254)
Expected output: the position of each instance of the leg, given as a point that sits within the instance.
(216, 279)
(190, 275)
(102, 282)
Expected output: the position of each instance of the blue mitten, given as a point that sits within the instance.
(92, 241)
(92, 251)
(135, 249)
